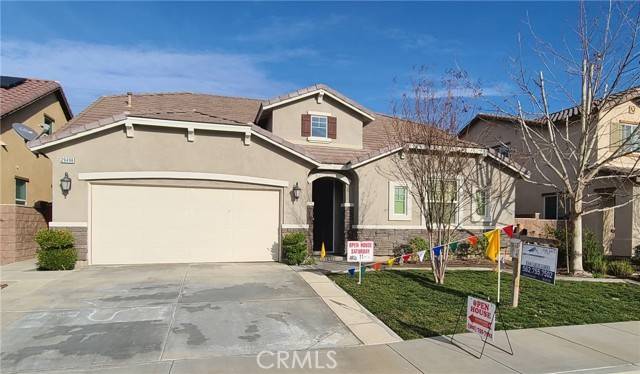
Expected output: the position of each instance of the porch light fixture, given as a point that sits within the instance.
(65, 184)
(296, 191)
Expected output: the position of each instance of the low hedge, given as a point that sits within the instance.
(58, 259)
(295, 248)
(56, 250)
(620, 269)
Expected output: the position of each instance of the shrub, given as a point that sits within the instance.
(401, 249)
(620, 269)
(592, 253)
(598, 267)
(57, 259)
(635, 259)
(54, 239)
(295, 248)
(465, 249)
(565, 237)
(56, 250)
(418, 244)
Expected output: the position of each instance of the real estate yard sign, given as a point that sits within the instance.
(539, 263)
(481, 317)
(360, 251)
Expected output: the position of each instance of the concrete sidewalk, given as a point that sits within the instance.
(362, 323)
(598, 348)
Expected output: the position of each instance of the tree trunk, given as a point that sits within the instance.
(576, 224)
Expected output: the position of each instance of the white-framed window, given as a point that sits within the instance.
(631, 132)
(443, 200)
(319, 126)
(399, 202)
(21, 191)
(50, 122)
(480, 204)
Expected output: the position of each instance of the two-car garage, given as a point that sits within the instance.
(140, 224)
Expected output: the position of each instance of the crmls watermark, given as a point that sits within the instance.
(297, 360)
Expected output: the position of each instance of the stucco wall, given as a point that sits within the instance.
(372, 208)
(286, 122)
(529, 196)
(16, 160)
(164, 149)
(628, 112)
(529, 200)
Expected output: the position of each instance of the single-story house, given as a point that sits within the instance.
(184, 177)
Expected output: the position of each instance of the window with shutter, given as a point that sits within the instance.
(614, 135)
(306, 125)
(630, 136)
(333, 127)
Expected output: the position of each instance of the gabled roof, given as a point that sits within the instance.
(17, 93)
(310, 91)
(567, 113)
(212, 111)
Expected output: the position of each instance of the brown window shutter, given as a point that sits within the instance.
(333, 127)
(306, 125)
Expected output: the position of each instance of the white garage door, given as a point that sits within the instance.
(143, 224)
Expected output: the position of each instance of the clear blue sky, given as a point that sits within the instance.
(365, 50)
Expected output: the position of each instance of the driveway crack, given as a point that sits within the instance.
(173, 313)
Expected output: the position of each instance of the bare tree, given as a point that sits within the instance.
(585, 153)
(443, 173)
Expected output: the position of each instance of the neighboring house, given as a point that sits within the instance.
(25, 177)
(618, 229)
(183, 177)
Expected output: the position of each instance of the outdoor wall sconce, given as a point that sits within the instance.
(65, 184)
(296, 191)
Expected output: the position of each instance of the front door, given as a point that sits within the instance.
(328, 215)
(608, 223)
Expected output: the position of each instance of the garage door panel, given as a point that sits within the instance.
(142, 224)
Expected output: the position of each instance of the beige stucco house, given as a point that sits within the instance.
(25, 177)
(619, 229)
(183, 177)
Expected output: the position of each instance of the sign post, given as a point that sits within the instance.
(539, 263)
(516, 259)
(360, 251)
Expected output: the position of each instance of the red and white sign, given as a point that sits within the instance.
(481, 317)
(360, 251)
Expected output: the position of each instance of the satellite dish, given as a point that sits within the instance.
(26, 132)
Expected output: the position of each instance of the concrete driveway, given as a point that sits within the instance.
(124, 315)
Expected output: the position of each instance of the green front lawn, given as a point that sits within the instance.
(410, 303)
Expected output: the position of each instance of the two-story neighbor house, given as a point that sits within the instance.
(619, 182)
(183, 177)
(25, 177)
